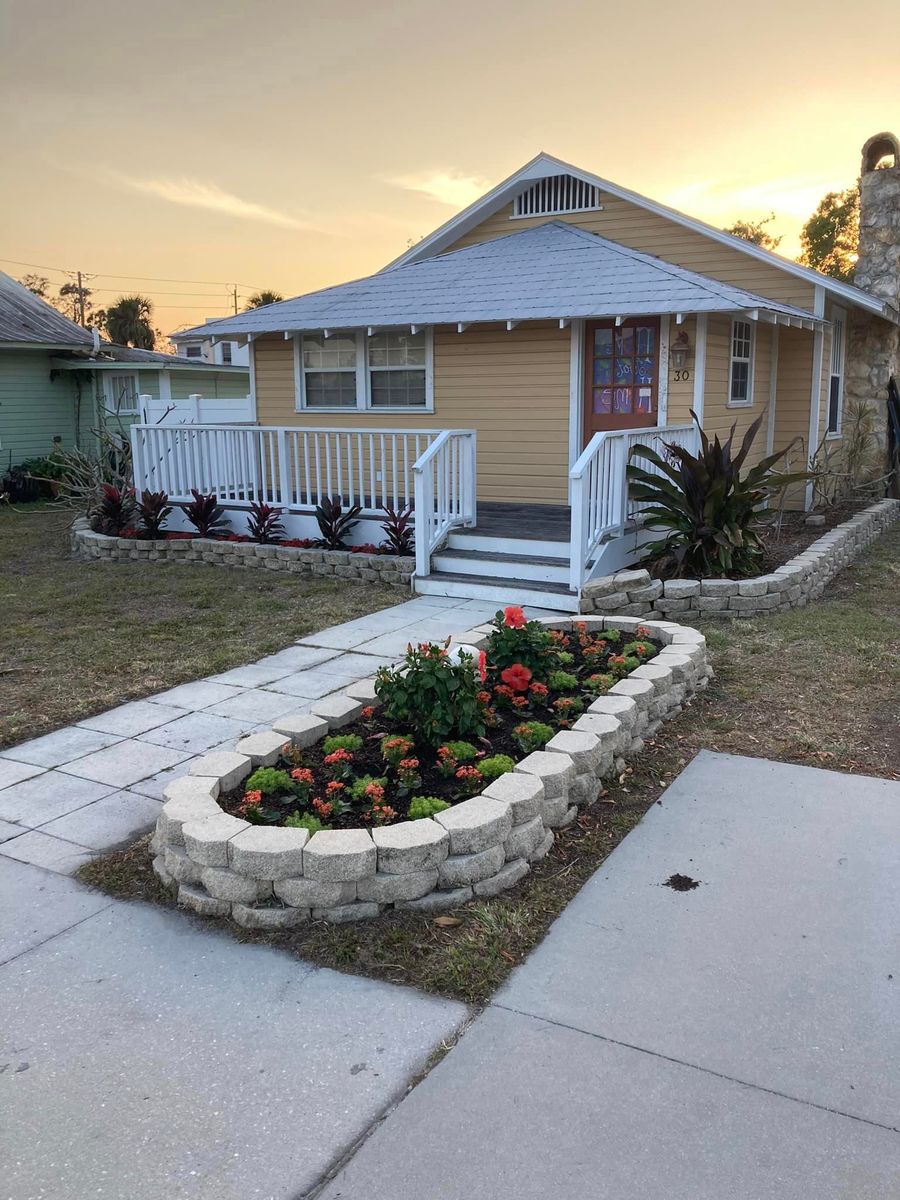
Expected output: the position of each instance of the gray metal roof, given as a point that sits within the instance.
(27, 320)
(553, 270)
(111, 354)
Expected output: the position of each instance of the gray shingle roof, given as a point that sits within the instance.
(550, 271)
(26, 319)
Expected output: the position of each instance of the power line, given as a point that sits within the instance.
(151, 278)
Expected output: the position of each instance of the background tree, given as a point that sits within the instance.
(258, 299)
(128, 322)
(74, 302)
(831, 235)
(755, 232)
(37, 284)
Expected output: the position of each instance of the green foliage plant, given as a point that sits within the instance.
(496, 765)
(433, 695)
(425, 806)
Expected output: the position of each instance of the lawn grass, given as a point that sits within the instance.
(79, 637)
(816, 686)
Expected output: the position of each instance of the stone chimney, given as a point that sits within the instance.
(873, 344)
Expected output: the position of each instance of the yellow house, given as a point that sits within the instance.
(498, 373)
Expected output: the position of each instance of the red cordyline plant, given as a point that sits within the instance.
(154, 509)
(114, 510)
(264, 524)
(205, 514)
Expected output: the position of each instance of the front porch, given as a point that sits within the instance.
(535, 553)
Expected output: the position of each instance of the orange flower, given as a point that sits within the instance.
(252, 797)
(368, 712)
(302, 775)
(333, 787)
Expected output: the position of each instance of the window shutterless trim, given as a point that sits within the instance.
(363, 378)
(750, 360)
(837, 370)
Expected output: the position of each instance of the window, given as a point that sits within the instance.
(397, 370)
(193, 351)
(328, 365)
(836, 373)
(556, 194)
(740, 373)
(122, 394)
(226, 353)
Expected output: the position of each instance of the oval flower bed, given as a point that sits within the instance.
(448, 724)
(434, 782)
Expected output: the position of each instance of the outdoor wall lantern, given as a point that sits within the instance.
(679, 351)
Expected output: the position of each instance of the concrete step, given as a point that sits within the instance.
(553, 596)
(492, 565)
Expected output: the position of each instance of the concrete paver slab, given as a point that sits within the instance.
(59, 748)
(195, 696)
(114, 820)
(781, 969)
(257, 704)
(14, 772)
(35, 906)
(197, 1067)
(525, 1110)
(42, 850)
(127, 762)
(51, 794)
(309, 685)
(131, 720)
(198, 732)
(8, 830)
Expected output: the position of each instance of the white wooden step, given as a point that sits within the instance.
(553, 596)
(464, 539)
(501, 566)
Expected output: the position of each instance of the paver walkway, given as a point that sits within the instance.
(737, 1040)
(97, 784)
(140, 1054)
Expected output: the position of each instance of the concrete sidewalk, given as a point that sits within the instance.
(739, 1039)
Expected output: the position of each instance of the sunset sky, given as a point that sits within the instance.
(291, 145)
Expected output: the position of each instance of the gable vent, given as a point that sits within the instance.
(556, 194)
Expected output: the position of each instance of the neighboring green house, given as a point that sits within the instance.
(59, 382)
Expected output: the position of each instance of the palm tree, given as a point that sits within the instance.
(128, 322)
(266, 296)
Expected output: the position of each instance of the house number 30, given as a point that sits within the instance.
(681, 376)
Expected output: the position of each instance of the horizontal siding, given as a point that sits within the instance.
(512, 387)
(718, 416)
(627, 223)
(213, 384)
(148, 383)
(33, 408)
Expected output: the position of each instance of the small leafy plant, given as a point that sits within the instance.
(304, 821)
(342, 741)
(335, 525)
(263, 524)
(398, 529)
(425, 806)
(434, 694)
(114, 510)
(562, 681)
(205, 514)
(516, 641)
(496, 765)
(270, 781)
(154, 510)
(532, 735)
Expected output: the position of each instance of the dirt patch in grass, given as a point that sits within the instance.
(79, 637)
(816, 686)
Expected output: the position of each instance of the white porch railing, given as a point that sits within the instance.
(445, 491)
(294, 469)
(600, 504)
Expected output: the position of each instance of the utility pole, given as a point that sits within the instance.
(80, 300)
(234, 298)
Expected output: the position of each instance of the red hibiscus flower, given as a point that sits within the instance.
(514, 617)
(517, 677)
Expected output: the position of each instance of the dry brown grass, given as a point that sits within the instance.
(79, 637)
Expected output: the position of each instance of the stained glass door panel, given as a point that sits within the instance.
(621, 374)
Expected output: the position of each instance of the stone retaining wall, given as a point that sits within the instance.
(265, 877)
(634, 593)
(373, 568)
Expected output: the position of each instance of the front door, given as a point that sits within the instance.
(621, 374)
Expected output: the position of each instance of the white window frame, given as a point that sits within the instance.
(194, 351)
(837, 315)
(109, 400)
(750, 360)
(363, 381)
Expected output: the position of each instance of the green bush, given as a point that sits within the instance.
(463, 752)
(529, 644)
(425, 806)
(270, 781)
(562, 681)
(342, 741)
(433, 695)
(710, 511)
(496, 765)
(304, 821)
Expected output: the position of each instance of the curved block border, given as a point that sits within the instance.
(390, 569)
(264, 877)
(634, 593)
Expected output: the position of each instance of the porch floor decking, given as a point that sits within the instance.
(547, 522)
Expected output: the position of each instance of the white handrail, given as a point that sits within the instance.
(445, 491)
(599, 488)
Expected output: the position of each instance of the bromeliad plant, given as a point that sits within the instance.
(708, 504)
(206, 514)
